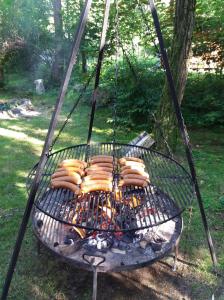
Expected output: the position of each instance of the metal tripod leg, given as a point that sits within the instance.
(182, 128)
(94, 261)
(176, 253)
(47, 144)
(94, 297)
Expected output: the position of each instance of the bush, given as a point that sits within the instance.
(137, 99)
(203, 101)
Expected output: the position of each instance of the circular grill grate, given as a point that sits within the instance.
(170, 191)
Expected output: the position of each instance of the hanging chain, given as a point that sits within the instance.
(116, 73)
(72, 110)
(115, 92)
(166, 144)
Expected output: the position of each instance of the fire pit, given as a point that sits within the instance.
(124, 251)
(113, 231)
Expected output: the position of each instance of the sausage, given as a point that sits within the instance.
(135, 176)
(72, 179)
(102, 164)
(66, 173)
(102, 159)
(123, 160)
(98, 177)
(132, 167)
(108, 158)
(71, 169)
(135, 182)
(97, 187)
(98, 172)
(92, 168)
(134, 164)
(96, 182)
(134, 171)
(56, 184)
(73, 163)
(102, 156)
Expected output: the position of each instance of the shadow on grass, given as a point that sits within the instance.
(43, 277)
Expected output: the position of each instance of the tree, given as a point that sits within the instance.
(57, 67)
(166, 126)
(208, 42)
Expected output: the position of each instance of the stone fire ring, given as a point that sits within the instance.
(51, 234)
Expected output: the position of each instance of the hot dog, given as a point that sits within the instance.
(56, 184)
(73, 163)
(135, 176)
(98, 177)
(97, 172)
(135, 182)
(71, 169)
(134, 171)
(102, 159)
(72, 179)
(96, 182)
(131, 167)
(102, 156)
(134, 164)
(104, 169)
(66, 173)
(102, 164)
(123, 160)
(97, 187)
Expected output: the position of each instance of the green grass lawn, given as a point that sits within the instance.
(43, 277)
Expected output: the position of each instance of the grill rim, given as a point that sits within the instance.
(121, 144)
(179, 210)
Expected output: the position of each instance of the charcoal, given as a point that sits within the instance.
(68, 241)
(123, 246)
(148, 251)
(39, 223)
(115, 243)
(127, 238)
(73, 235)
(156, 246)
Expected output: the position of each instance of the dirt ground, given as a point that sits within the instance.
(156, 282)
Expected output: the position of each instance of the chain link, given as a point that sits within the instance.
(114, 112)
(116, 73)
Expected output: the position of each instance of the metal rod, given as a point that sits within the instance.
(98, 68)
(48, 141)
(94, 283)
(182, 129)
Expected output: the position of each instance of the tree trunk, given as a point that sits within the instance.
(166, 127)
(57, 67)
(2, 78)
(84, 61)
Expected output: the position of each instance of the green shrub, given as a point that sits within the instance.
(137, 98)
(203, 104)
